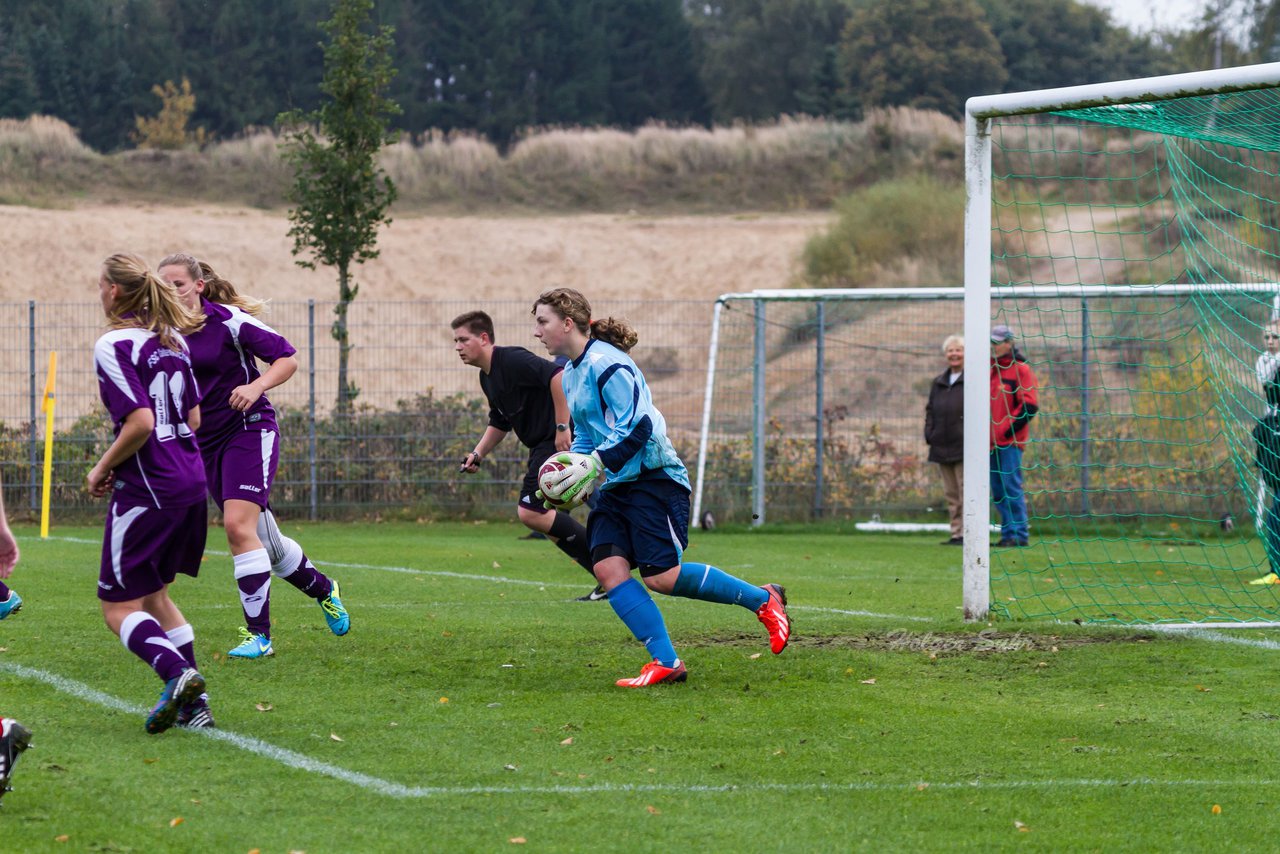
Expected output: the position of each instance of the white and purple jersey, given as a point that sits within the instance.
(135, 372)
(224, 355)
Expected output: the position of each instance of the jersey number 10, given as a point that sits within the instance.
(166, 392)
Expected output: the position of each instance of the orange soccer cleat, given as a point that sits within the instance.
(774, 616)
(655, 673)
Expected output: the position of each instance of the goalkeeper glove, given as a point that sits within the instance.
(581, 475)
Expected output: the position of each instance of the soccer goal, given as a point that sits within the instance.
(1129, 234)
(814, 402)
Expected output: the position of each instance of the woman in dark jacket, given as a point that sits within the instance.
(944, 432)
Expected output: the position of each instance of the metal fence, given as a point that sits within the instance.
(418, 411)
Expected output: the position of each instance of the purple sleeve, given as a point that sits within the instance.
(118, 382)
(191, 394)
(263, 342)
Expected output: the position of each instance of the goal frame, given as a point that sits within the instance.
(979, 114)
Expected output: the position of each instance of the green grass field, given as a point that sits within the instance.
(472, 708)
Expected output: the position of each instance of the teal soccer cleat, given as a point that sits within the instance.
(252, 646)
(335, 613)
(12, 605)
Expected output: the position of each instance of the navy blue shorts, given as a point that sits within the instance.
(645, 521)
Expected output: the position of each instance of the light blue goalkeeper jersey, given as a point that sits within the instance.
(613, 414)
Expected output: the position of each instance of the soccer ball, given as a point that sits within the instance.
(549, 478)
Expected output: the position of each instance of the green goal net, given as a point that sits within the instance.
(1135, 250)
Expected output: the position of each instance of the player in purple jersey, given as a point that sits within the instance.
(240, 443)
(157, 518)
(14, 737)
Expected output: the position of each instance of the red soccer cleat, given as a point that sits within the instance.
(654, 673)
(774, 616)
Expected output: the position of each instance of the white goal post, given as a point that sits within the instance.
(980, 114)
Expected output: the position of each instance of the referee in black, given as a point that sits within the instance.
(525, 395)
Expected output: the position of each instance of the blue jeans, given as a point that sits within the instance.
(1006, 492)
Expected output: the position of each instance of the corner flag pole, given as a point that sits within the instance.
(46, 406)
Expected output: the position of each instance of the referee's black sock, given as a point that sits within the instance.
(571, 538)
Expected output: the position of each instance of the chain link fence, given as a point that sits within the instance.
(419, 409)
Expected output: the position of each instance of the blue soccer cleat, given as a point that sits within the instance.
(12, 605)
(252, 646)
(335, 613)
(178, 692)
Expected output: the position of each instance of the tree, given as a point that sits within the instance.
(652, 75)
(1051, 43)
(168, 129)
(929, 54)
(763, 58)
(340, 195)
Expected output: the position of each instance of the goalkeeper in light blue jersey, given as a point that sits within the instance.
(641, 520)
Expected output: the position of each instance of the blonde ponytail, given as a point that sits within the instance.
(147, 301)
(219, 290)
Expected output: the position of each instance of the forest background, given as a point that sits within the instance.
(498, 68)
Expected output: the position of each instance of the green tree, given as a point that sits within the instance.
(261, 58)
(1051, 43)
(340, 196)
(763, 58)
(17, 83)
(650, 64)
(929, 54)
(1228, 32)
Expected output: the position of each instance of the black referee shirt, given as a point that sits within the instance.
(518, 387)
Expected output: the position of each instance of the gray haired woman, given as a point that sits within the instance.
(944, 432)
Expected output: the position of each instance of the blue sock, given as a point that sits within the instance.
(637, 610)
(705, 582)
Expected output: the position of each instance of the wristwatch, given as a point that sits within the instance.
(562, 428)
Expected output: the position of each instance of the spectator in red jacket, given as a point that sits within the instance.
(1013, 405)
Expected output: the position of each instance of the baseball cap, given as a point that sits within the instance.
(1001, 333)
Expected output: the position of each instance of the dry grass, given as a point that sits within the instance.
(42, 137)
(791, 164)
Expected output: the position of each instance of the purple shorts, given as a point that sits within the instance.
(243, 467)
(144, 549)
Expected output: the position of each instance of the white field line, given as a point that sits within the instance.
(376, 785)
(1220, 637)
(500, 579)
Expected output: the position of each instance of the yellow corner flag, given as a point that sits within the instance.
(46, 406)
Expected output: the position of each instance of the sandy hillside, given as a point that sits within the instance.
(53, 254)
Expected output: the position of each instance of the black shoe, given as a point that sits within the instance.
(1005, 544)
(594, 596)
(1020, 544)
(533, 535)
(954, 541)
(14, 738)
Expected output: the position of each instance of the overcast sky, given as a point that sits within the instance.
(1145, 15)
